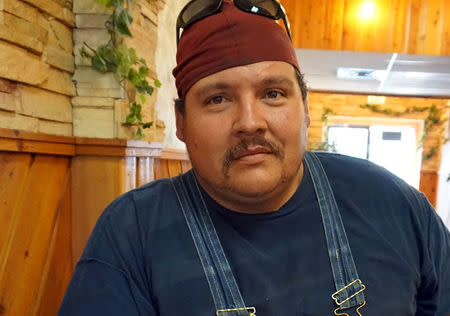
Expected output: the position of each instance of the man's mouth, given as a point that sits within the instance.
(251, 152)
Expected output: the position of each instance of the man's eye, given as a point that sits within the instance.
(215, 100)
(273, 94)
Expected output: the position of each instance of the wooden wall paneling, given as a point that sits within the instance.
(383, 29)
(367, 29)
(102, 170)
(174, 167)
(301, 25)
(96, 182)
(27, 142)
(318, 23)
(428, 185)
(161, 168)
(13, 172)
(350, 29)
(58, 267)
(434, 27)
(27, 246)
(417, 27)
(403, 26)
(333, 28)
(445, 49)
(400, 25)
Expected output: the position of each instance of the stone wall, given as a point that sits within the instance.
(36, 65)
(101, 106)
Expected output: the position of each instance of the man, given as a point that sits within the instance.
(259, 227)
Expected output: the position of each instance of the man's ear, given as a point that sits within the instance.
(179, 124)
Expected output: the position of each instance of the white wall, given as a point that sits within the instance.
(443, 197)
(165, 59)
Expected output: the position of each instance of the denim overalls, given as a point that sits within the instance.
(224, 290)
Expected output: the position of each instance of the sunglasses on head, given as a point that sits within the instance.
(196, 10)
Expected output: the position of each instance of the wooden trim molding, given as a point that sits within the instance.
(28, 142)
(116, 148)
(174, 154)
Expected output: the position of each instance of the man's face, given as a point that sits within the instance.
(245, 130)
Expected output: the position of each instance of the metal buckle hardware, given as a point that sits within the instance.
(335, 294)
(345, 314)
(252, 310)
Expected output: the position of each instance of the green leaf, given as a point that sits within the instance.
(123, 70)
(108, 56)
(138, 108)
(139, 133)
(143, 72)
(142, 98)
(106, 3)
(83, 52)
(133, 77)
(157, 83)
(149, 89)
(131, 118)
(142, 61)
(122, 19)
(132, 55)
(147, 125)
(99, 64)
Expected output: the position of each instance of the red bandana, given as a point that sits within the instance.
(228, 39)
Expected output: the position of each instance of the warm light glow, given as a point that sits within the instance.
(367, 10)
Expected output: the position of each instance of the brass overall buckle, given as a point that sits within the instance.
(252, 310)
(335, 297)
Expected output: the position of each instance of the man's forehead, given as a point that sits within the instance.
(262, 73)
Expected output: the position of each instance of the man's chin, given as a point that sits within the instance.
(249, 187)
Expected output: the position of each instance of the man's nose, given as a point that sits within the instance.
(249, 118)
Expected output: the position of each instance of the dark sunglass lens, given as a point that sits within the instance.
(197, 9)
(264, 7)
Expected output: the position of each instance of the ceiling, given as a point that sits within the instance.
(375, 73)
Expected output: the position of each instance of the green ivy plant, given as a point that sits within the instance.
(325, 145)
(118, 58)
(433, 118)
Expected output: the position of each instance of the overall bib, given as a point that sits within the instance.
(225, 292)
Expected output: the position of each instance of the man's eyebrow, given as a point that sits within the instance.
(278, 80)
(205, 90)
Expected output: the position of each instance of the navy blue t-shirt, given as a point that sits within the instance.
(141, 260)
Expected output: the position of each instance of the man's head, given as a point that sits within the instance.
(243, 115)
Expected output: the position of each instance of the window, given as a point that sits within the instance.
(392, 145)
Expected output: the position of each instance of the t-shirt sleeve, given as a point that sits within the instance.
(111, 277)
(434, 292)
(97, 288)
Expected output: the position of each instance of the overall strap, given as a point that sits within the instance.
(224, 290)
(349, 288)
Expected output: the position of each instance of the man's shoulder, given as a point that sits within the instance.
(356, 169)
(360, 176)
(146, 201)
(365, 183)
(135, 216)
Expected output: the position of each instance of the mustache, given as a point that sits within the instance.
(235, 151)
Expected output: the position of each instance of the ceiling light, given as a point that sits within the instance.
(367, 10)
